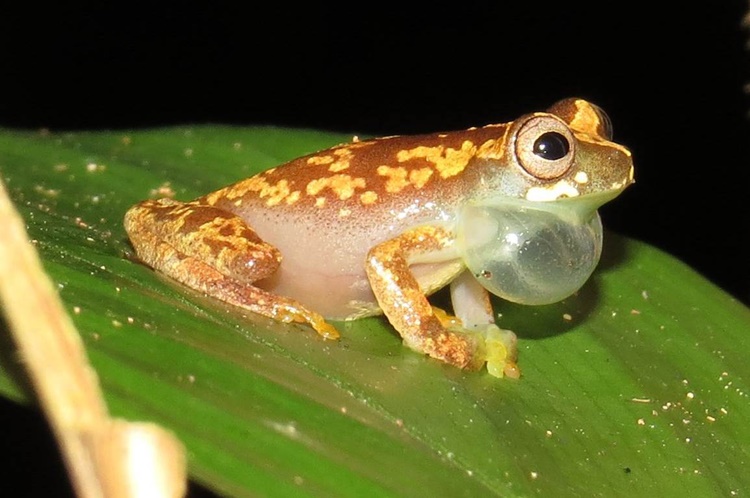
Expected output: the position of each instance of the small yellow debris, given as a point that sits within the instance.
(641, 421)
(567, 317)
(47, 192)
(533, 474)
(95, 168)
(163, 190)
(691, 395)
(77, 310)
(710, 418)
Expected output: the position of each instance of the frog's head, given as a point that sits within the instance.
(535, 236)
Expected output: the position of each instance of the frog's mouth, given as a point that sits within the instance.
(532, 252)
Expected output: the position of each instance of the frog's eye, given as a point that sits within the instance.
(605, 124)
(551, 146)
(545, 147)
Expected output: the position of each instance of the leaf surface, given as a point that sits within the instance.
(637, 385)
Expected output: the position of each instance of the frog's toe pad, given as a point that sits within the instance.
(501, 352)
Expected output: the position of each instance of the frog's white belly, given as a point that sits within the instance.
(324, 267)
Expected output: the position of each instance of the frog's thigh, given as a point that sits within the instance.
(406, 306)
(216, 237)
(213, 251)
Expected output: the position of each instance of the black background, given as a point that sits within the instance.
(670, 75)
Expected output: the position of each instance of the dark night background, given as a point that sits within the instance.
(670, 77)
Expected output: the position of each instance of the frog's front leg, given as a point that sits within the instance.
(404, 303)
(215, 252)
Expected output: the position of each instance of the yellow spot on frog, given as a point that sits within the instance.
(581, 177)
(585, 118)
(368, 197)
(319, 160)
(342, 185)
(320, 202)
(293, 197)
(552, 192)
(494, 149)
(276, 193)
(344, 212)
(344, 157)
(448, 161)
(396, 178)
(418, 177)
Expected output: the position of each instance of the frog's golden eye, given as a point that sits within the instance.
(605, 124)
(545, 147)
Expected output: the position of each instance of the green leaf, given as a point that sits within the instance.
(636, 386)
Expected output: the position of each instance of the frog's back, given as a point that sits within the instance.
(325, 211)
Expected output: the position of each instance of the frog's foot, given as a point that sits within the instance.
(254, 299)
(494, 346)
(500, 351)
(446, 319)
(290, 311)
(468, 348)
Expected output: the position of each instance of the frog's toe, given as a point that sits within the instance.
(500, 352)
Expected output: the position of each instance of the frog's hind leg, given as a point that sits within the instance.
(215, 252)
(467, 341)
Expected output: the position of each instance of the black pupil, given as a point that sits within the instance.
(551, 146)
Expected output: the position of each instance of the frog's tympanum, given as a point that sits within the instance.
(375, 226)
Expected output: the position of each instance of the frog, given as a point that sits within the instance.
(376, 226)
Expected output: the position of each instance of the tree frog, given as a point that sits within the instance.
(375, 226)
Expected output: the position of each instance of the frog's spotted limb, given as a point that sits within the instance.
(471, 344)
(215, 252)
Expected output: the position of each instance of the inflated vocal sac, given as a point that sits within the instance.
(530, 252)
